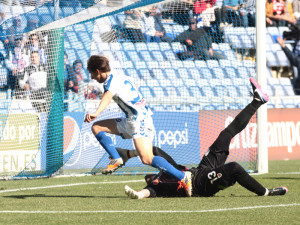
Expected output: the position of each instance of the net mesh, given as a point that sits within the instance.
(191, 62)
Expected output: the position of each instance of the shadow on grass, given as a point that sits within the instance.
(281, 178)
(59, 196)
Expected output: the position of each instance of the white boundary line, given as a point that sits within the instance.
(153, 211)
(70, 185)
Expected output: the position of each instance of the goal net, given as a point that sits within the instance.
(191, 62)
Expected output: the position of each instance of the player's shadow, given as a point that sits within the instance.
(60, 196)
(281, 178)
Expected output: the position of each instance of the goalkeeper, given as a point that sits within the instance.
(212, 174)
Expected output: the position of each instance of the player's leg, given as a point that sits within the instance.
(230, 173)
(100, 130)
(219, 150)
(145, 193)
(143, 145)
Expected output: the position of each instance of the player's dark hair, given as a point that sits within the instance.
(98, 62)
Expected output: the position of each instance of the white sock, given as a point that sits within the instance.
(267, 192)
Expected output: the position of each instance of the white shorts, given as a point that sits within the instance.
(130, 129)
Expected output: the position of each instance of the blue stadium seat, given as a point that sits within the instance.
(133, 55)
(279, 90)
(3, 77)
(206, 73)
(269, 39)
(153, 46)
(207, 91)
(224, 46)
(146, 56)
(183, 73)
(231, 72)
(171, 74)
(177, 82)
(232, 91)
(164, 46)
(177, 47)
(224, 63)
(165, 64)
(196, 91)
(158, 73)
(213, 82)
(218, 73)
(194, 72)
(169, 30)
(244, 90)
(230, 55)
(200, 63)
(157, 55)
(128, 46)
(132, 73)
(184, 91)
(188, 64)
(209, 107)
(283, 60)
(157, 108)
(221, 107)
(270, 91)
(127, 65)
(235, 106)
(212, 63)
(165, 82)
(289, 90)
(172, 91)
(152, 64)
(273, 31)
(170, 55)
(177, 29)
(152, 82)
(249, 63)
(146, 92)
(140, 65)
(141, 46)
(235, 41)
(243, 72)
(121, 56)
(220, 90)
(176, 64)
(145, 74)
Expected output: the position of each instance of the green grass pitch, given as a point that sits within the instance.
(101, 200)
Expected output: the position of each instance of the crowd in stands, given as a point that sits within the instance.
(25, 56)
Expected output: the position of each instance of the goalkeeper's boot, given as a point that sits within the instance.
(277, 191)
(132, 193)
(258, 93)
(186, 183)
(113, 166)
(124, 153)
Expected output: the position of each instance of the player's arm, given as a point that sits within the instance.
(103, 104)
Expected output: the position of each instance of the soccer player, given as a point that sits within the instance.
(212, 174)
(137, 125)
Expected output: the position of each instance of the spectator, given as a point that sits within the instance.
(132, 25)
(36, 43)
(32, 24)
(220, 13)
(76, 79)
(233, 14)
(90, 93)
(148, 26)
(34, 81)
(198, 44)
(294, 60)
(278, 13)
(202, 5)
(16, 61)
(248, 13)
(67, 70)
(160, 30)
(3, 10)
(296, 9)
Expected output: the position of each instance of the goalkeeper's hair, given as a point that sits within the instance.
(98, 62)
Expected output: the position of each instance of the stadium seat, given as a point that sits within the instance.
(177, 29)
(177, 47)
(158, 73)
(243, 72)
(172, 91)
(146, 92)
(279, 90)
(169, 55)
(145, 74)
(230, 54)
(214, 82)
(235, 41)
(194, 73)
(212, 63)
(146, 56)
(220, 90)
(121, 56)
(232, 91)
(184, 91)
(190, 82)
(244, 90)
(3, 77)
(218, 73)
(289, 90)
(164, 64)
(157, 108)
(171, 74)
(176, 64)
(270, 90)
(132, 73)
(269, 39)
(133, 56)
(153, 46)
(231, 72)
(272, 59)
(183, 73)
(196, 91)
(207, 91)
(177, 82)
(235, 106)
(140, 65)
(188, 64)
(273, 81)
(221, 107)
(200, 63)
(103, 46)
(224, 46)
(128, 46)
(152, 82)
(127, 65)
(283, 60)
(141, 46)
(273, 31)
(208, 107)
(157, 55)
(164, 46)
(165, 82)
(202, 82)
(169, 30)
(283, 29)
(152, 64)
(206, 73)
(249, 63)
(224, 63)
